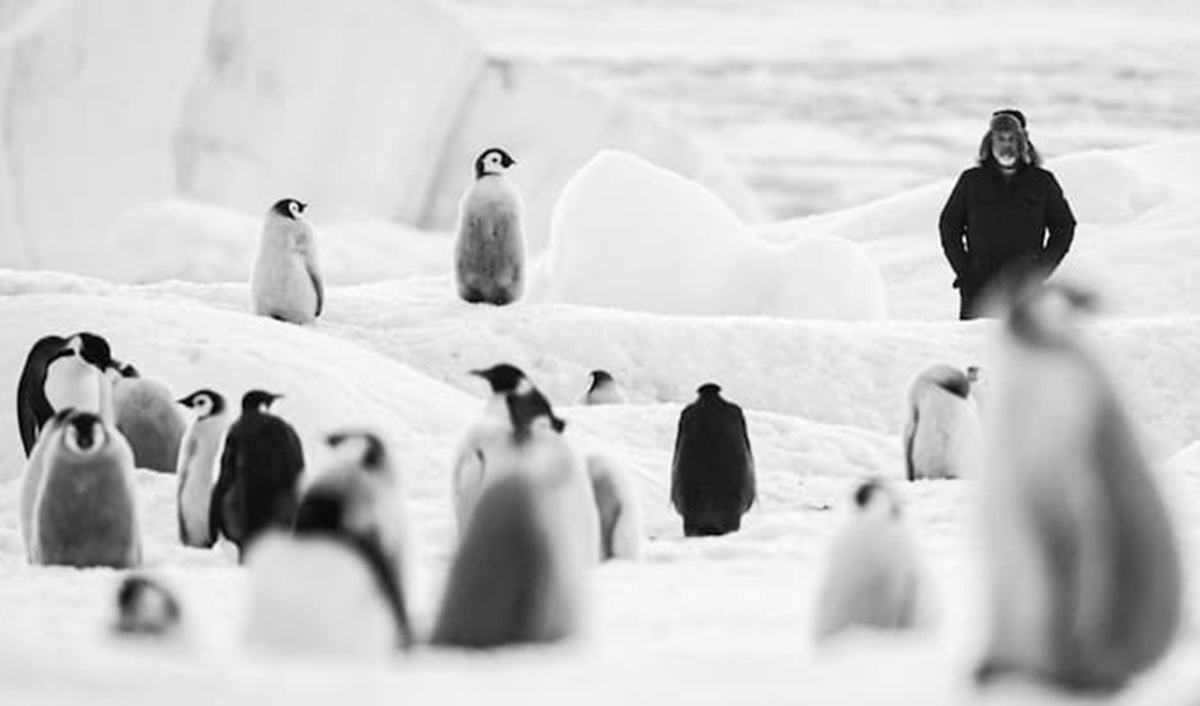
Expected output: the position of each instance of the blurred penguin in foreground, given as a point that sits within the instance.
(1084, 568)
(519, 573)
(874, 578)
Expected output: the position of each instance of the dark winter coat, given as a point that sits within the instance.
(991, 226)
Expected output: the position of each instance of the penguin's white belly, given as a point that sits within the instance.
(947, 438)
(196, 493)
(73, 383)
(314, 596)
(283, 288)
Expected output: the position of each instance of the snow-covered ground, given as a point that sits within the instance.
(804, 97)
(705, 621)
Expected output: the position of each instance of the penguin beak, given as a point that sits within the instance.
(300, 206)
(185, 401)
(478, 373)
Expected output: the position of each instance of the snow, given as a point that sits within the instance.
(631, 235)
(709, 621)
(374, 114)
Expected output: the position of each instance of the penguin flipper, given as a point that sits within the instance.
(385, 575)
(910, 435)
(318, 284)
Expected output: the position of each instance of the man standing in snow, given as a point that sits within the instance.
(994, 224)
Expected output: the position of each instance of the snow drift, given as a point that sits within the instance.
(374, 113)
(626, 233)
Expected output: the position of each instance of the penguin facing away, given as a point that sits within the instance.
(1073, 521)
(286, 284)
(603, 390)
(617, 506)
(146, 414)
(712, 475)
(873, 578)
(261, 466)
(146, 608)
(518, 574)
(489, 261)
(197, 466)
(83, 512)
(941, 432)
(336, 586)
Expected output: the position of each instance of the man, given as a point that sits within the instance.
(994, 224)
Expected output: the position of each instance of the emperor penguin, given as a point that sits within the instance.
(941, 432)
(603, 390)
(286, 284)
(75, 372)
(518, 573)
(1073, 521)
(148, 415)
(712, 475)
(79, 482)
(336, 586)
(873, 576)
(261, 465)
(147, 608)
(618, 508)
(490, 251)
(469, 463)
(197, 467)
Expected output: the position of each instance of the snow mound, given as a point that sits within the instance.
(628, 234)
(219, 245)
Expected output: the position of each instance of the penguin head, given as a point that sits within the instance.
(503, 378)
(362, 447)
(493, 162)
(289, 208)
(600, 378)
(258, 401)
(709, 389)
(84, 433)
(146, 607)
(91, 348)
(528, 407)
(95, 350)
(205, 403)
(874, 497)
(1045, 314)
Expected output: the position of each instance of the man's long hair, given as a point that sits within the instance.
(1028, 154)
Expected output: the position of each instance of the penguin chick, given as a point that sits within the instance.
(490, 246)
(941, 432)
(197, 466)
(873, 578)
(145, 607)
(603, 390)
(286, 284)
(1073, 520)
(518, 574)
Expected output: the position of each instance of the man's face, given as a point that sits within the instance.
(1005, 147)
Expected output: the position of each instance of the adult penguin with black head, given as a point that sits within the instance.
(712, 477)
(261, 465)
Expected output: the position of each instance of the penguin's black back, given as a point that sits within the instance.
(260, 472)
(33, 409)
(500, 590)
(712, 479)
